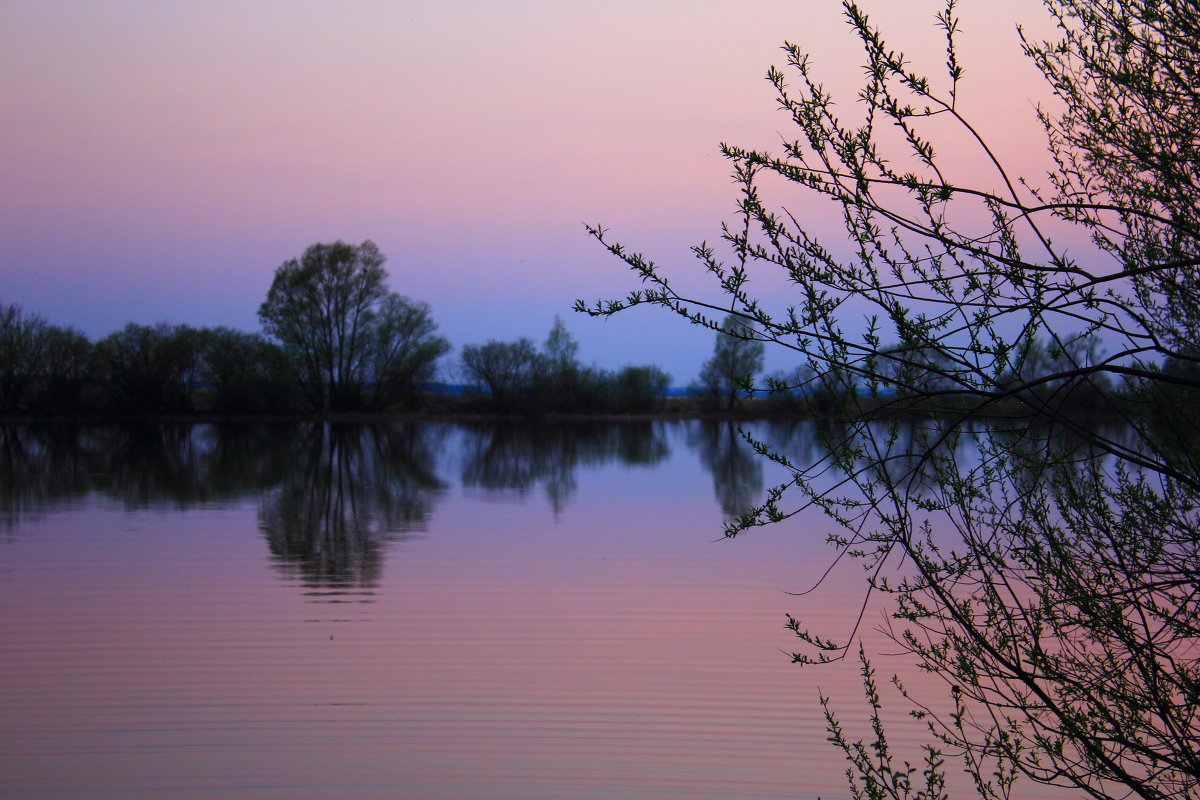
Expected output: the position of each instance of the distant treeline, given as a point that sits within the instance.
(147, 370)
(335, 339)
(48, 370)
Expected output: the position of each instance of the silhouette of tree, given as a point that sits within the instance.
(21, 343)
(354, 344)
(150, 368)
(639, 389)
(737, 357)
(1065, 612)
(506, 372)
(247, 373)
(66, 370)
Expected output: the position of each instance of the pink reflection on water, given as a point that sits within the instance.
(611, 648)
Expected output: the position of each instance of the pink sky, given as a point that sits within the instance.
(159, 160)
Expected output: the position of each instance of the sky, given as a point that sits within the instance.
(159, 160)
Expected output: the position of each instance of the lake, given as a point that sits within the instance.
(416, 610)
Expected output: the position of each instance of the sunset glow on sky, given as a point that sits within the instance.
(160, 160)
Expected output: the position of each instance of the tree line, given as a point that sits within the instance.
(334, 339)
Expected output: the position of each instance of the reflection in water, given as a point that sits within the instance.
(144, 466)
(39, 469)
(516, 457)
(736, 470)
(331, 495)
(195, 649)
(140, 466)
(333, 492)
(349, 490)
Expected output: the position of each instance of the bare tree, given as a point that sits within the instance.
(1065, 610)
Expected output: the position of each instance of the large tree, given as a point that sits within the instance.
(1048, 567)
(354, 343)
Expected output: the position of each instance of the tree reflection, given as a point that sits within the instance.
(332, 494)
(144, 466)
(349, 489)
(40, 468)
(736, 472)
(514, 458)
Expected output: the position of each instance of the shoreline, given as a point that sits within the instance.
(377, 417)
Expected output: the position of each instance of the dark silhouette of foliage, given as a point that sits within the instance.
(21, 343)
(563, 383)
(43, 368)
(66, 370)
(517, 377)
(150, 368)
(353, 343)
(737, 357)
(639, 389)
(506, 371)
(404, 353)
(245, 373)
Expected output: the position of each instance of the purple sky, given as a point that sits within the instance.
(159, 160)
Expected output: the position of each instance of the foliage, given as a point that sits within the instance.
(566, 384)
(506, 371)
(518, 377)
(403, 352)
(798, 392)
(560, 351)
(20, 352)
(737, 357)
(66, 369)
(150, 368)
(1045, 565)
(353, 343)
(875, 773)
(246, 373)
(639, 389)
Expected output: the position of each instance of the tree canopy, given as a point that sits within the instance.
(737, 358)
(354, 344)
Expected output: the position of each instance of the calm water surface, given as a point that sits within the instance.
(411, 611)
